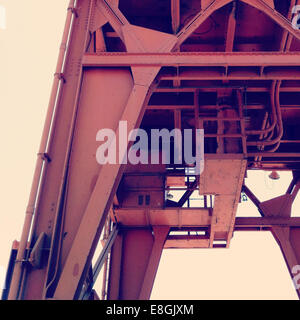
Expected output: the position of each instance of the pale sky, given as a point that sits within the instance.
(253, 267)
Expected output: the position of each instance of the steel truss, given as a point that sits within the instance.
(110, 70)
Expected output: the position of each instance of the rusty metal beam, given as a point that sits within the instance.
(235, 73)
(231, 26)
(99, 263)
(275, 154)
(173, 217)
(100, 42)
(265, 222)
(135, 260)
(187, 194)
(175, 13)
(97, 208)
(113, 15)
(286, 39)
(195, 59)
(113, 288)
(190, 213)
(199, 18)
(284, 23)
(160, 235)
(295, 181)
(214, 88)
(47, 211)
(253, 198)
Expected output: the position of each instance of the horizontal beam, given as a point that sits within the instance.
(181, 242)
(249, 222)
(274, 154)
(191, 217)
(253, 73)
(173, 217)
(192, 59)
(214, 107)
(214, 88)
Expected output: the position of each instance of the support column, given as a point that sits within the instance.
(135, 259)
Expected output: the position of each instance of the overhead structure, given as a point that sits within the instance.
(227, 69)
